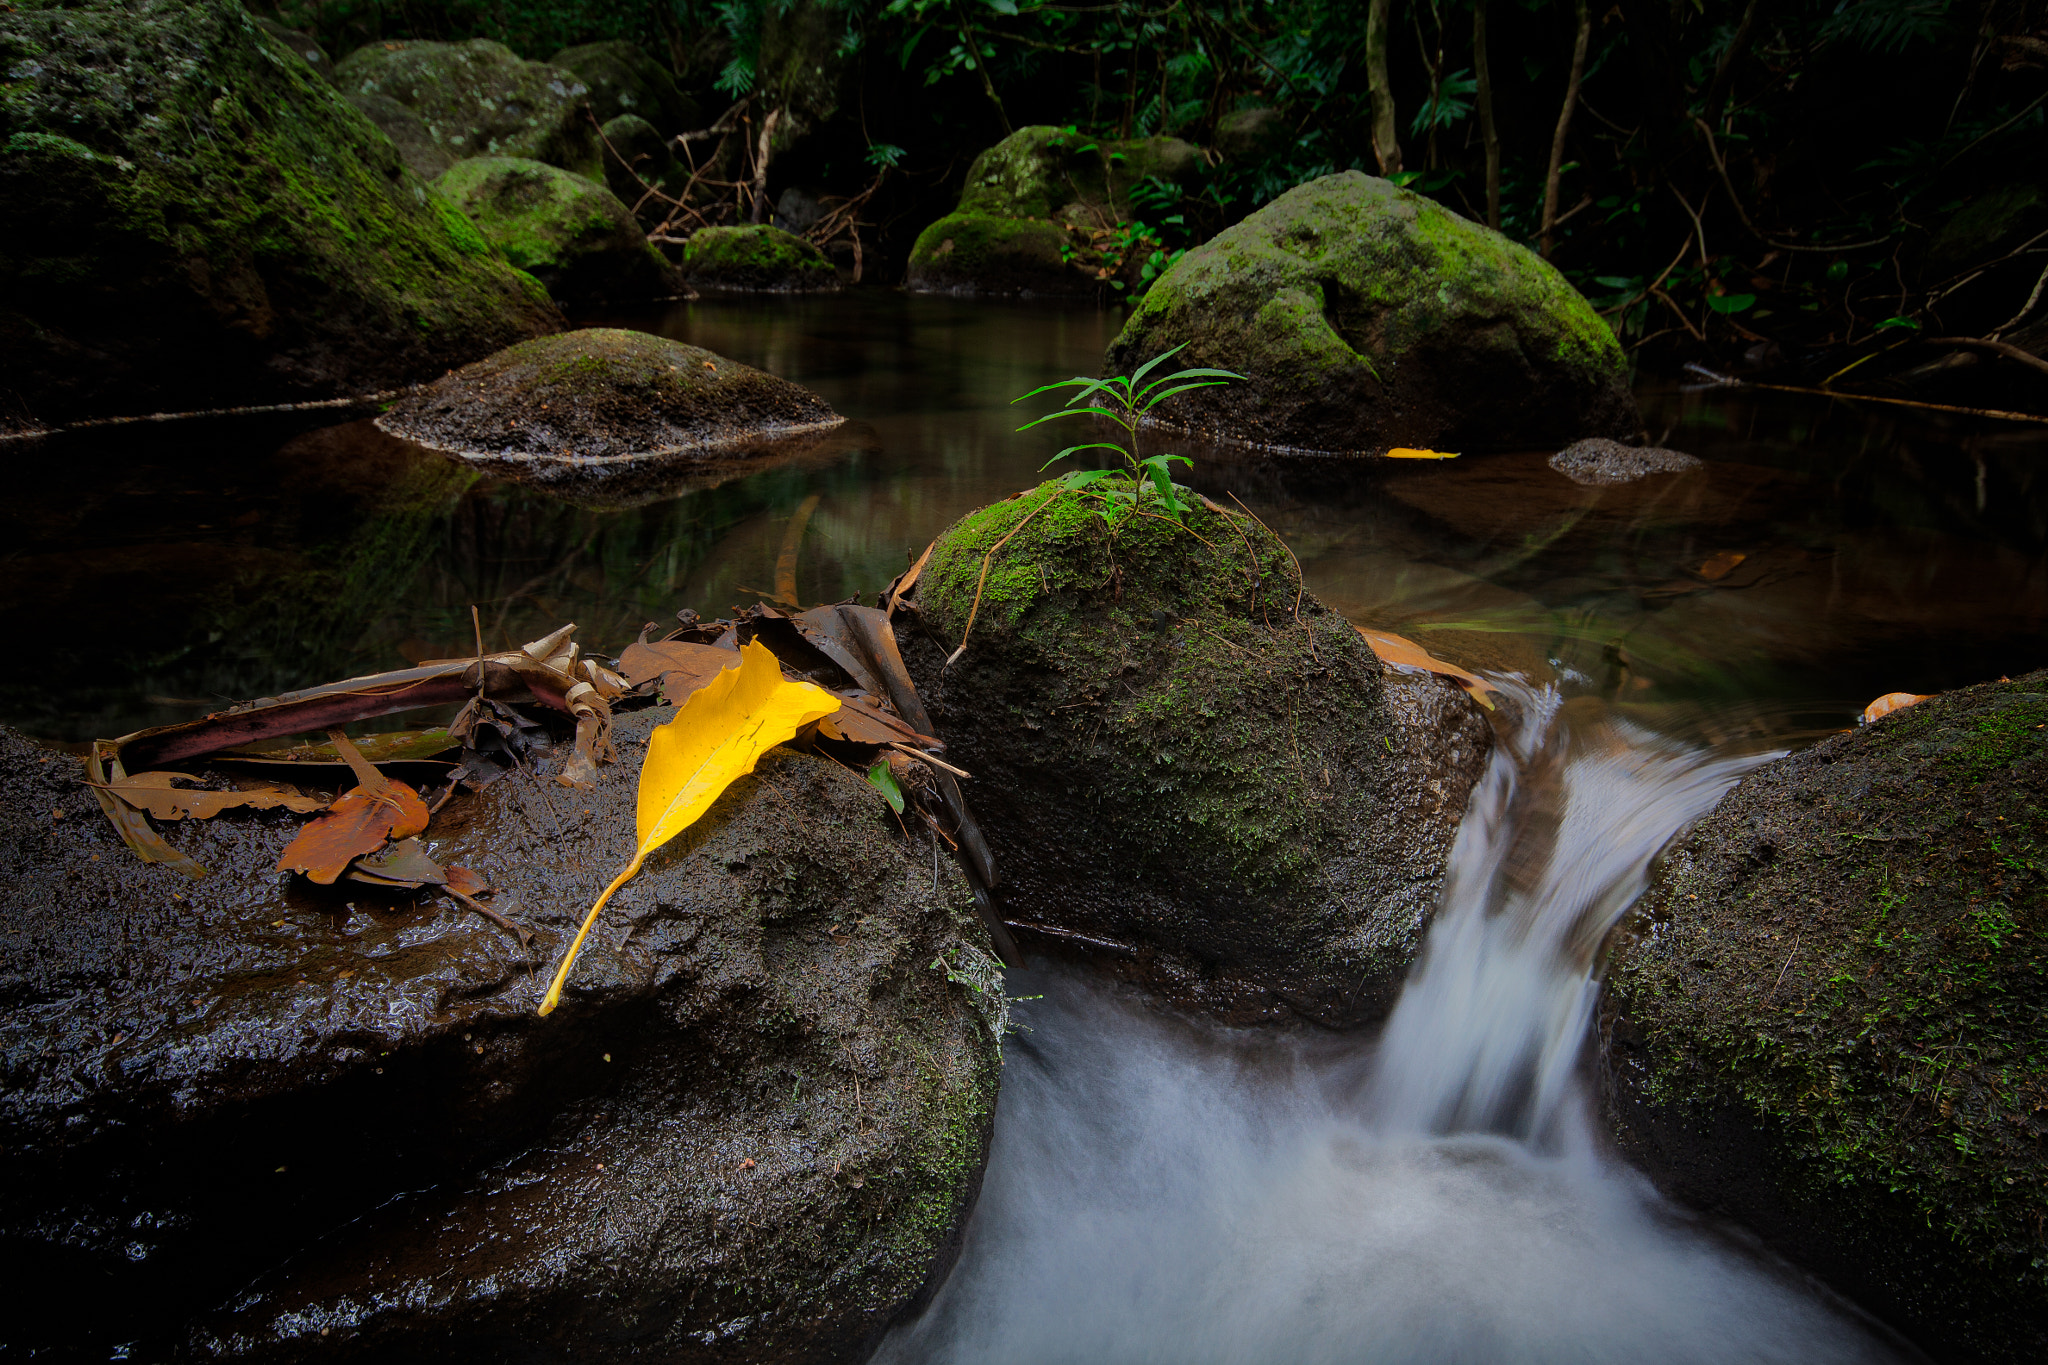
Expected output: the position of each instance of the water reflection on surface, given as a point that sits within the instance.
(1824, 555)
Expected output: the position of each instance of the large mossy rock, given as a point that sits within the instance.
(1027, 205)
(625, 80)
(297, 1123)
(191, 217)
(759, 258)
(604, 394)
(1177, 771)
(1832, 1022)
(1368, 317)
(478, 99)
(571, 234)
(637, 159)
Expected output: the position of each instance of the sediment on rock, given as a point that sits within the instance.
(1187, 765)
(750, 1133)
(1828, 1021)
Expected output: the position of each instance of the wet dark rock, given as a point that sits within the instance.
(194, 218)
(1601, 461)
(304, 46)
(625, 80)
(307, 1123)
(1368, 317)
(757, 258)
(1831, 1018)
(422, 155)
(1243, 810)
(1028, 201)
(604, 394)
(570, 233)
(478, 99)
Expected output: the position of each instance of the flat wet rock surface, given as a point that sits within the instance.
(748, 1134)
(605, 394)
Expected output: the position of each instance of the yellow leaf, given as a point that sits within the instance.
(716, 738)
(1402, 652)
(1410, 453)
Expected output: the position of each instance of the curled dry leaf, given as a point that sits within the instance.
(154, 793)
(1400, 652)
(358, 823)
(1890, 702)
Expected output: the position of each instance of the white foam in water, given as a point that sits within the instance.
(1163, 1191)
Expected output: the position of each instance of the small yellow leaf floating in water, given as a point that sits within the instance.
(1411, 453)
(1402, 652)
(716, 738)
(1890, 702)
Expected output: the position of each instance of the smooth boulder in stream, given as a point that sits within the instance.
(286, 1122)
(1832, 1020)
(1368, 317)
(1186, 764)
(479, 99)
(570, 233)
(194, 217)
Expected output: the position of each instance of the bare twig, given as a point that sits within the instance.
(1996, 347)
(982, 582)
(1547, 240)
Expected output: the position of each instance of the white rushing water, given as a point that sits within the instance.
(1164, 1191)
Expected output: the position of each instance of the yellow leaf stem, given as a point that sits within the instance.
(717, 737)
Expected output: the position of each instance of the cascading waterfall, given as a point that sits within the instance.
(1166, 1191)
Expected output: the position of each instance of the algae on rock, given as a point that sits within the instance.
(759, 257)
(478, 99)
(194, 217)
(1171, 764)
(1832, 1018)
(570, 233)
(1369, 317)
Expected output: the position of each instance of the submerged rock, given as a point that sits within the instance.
(1600, 461)
(194, 218)
(571, 234)
(478, 99)
(1368, 317)
(1028, 203)
(1175, 771)
(761, 257)
(604, 394)
(625, 80)
(749, 1133)
(1832, 1019)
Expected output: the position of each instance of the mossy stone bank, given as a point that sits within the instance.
(194, 217)
(604, 394)
(759, 258)
(1368, 317)
(479, 99)
(1831, 1018)
(571, 234)
(298, 1123)
(1184, 762)
(1029, 202)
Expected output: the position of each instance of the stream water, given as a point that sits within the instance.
(1161, 1189)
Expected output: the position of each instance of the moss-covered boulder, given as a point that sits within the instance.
(1831, 1020)
(759, 257)
(624, 80)
(571, 234)
(1178, 770)
(1368, 317)
(637, 159)
(423, 156)
(296, 1123)
(305, 45)
(191, 217)
(478, 99)
(1030, 201)
(604, 394)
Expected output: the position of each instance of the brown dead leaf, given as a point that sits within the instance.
(1721, 565)
(687, 666)
(465, 881)
(1401, 652)
(356, 824)
(1890, 702)
(153, 792)
(405, 861)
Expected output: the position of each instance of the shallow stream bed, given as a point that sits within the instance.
(1161, 1190)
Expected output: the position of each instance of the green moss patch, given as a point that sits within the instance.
(479, 99)
(758, 257)
(571, 233)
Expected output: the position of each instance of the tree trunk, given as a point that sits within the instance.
(1724, 74)
(762, 151)
(1482, 74)
(1384, 148)
(1564, 124)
